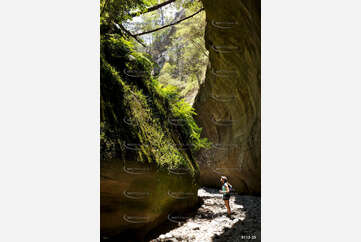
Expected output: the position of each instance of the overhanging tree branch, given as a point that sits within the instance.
(165, 26)
(196, 44)
(120, 26)
(153, 8)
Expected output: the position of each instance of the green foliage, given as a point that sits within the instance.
(170, 68)
(115, 48)
(183, 44)
(149, 102)
(143, 60)
(185, 112)
(119, 10)
(123, 97)
(168, 92)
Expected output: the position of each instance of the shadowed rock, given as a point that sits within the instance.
(228, 103)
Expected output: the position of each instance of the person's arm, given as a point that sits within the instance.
(221, 191)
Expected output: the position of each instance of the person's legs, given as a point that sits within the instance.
(227, 206)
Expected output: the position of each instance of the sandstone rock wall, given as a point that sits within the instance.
(229, 102)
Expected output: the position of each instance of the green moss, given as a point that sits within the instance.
(182, 111)
(148, 105)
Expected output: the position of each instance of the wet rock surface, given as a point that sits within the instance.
(135, 198)
(210, 223)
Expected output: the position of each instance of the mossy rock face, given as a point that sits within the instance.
(229, 102)
(147, 168)
(136, 113)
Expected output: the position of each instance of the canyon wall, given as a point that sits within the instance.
(229, 102)
(147, 172)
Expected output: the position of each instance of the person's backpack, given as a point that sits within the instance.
(229, 186)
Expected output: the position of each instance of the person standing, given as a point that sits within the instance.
(226, 190)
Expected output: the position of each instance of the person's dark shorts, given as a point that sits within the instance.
(226, 196)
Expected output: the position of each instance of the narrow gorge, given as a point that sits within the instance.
(161, 158)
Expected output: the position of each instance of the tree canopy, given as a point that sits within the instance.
(170, 31)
